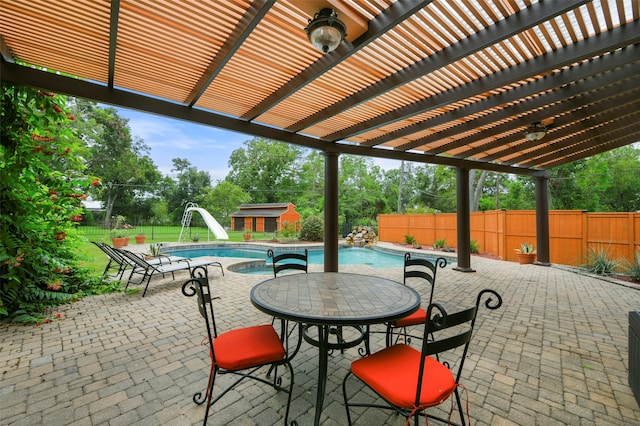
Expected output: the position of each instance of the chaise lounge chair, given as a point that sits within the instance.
(147, 269)
(117, 260)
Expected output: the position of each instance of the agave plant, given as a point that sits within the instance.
(154, 250)
(526, 248)
(599, 260)
(632, 269)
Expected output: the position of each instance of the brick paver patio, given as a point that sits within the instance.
(555, 353)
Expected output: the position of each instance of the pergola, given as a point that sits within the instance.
(431, 81)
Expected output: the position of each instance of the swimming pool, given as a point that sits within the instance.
(346, 255)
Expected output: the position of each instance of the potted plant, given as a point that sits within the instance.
(247, 234)
(526, 253)
(154, 251)
(140, 238)
(118, 237)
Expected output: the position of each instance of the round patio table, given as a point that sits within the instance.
(333, 299)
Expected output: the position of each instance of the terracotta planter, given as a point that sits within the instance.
(140, 239)
(118, 242)
(126, 241)
(526, 258)
(247, 237)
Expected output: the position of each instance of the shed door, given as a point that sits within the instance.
(238, 223)
(270, 224)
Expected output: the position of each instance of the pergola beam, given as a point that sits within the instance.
(21, 75)
(114, 18)
(605, 42)
(599, 65)
(394, 15)
(510, 26)
(594, 117)
(550, 104)
(247, 24)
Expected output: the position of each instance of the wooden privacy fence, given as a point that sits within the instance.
(499, 232)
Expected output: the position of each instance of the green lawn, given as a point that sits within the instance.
(97, 260)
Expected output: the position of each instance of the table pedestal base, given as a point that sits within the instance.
(321, 341)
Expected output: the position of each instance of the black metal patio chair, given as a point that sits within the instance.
(289, 261)
(417, 272)
(240, 352)
(409, 380)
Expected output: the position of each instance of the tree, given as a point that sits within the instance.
(266, 169)
(564, 194)
(476, 186)
(309, 200)
(42, 181)
(520, 194)
(223, 199)
(360, 196)
(435, 188)
(624, 168)
(610, 181)
(116, 157)
(191, 187)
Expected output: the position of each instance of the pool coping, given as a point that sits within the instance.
(299, 247)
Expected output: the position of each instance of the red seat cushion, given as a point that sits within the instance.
(418, 317)
(248, 347)
(393, 373)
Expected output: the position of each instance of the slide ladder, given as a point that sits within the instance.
(210, 221)
(186, 219)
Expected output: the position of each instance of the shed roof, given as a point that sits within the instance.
(265, 206)
(259, 213)
(433, 81)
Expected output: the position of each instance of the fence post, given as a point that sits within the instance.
(585, 234)
(632, 233)
(502, 249)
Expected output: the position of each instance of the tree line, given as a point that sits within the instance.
(268, 171)
(56, 152)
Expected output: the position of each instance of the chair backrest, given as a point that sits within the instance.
(134, 259)
(198, 285)
(424, 269)
(110, 251)
(450, 331)
(289, 261)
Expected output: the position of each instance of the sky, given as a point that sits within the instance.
(207, 148)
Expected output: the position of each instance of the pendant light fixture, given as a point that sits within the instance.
(535, 132)
(326, 31)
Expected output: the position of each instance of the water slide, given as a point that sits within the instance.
(212, 224)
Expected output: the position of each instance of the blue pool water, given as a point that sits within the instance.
(346, 255)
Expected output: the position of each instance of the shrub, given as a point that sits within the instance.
(474, 246)
(42, 183)
(632, 269)
(409, 239)
(312, 229)
(599, 260)
(439, 244)
(288, 229)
